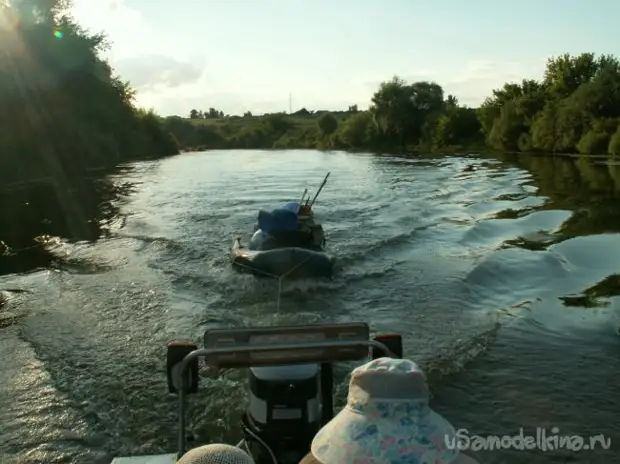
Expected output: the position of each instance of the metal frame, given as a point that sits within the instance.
(295, 352)
(205, 352)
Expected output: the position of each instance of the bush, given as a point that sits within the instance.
(593, 143)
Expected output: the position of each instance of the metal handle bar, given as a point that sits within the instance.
(205, 352)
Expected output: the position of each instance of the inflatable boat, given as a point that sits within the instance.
(287, 242)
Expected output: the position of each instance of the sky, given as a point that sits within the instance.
(251, 55)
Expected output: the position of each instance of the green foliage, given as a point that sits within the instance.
(575, 108)
(358, 131)
(278, 122)
(507, 128)
(565, 74)
(401, 111)
(64, 111)
(211, 114)
(328, 124)
(456, 125)
(594, 143)
(614, 143)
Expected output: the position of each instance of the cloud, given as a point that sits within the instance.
(478, 78)
(173, 82)
(171, 86)
(473, 81)
(148, 72)
(126, 29)
(109, 16)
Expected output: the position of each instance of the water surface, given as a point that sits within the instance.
(491, 269)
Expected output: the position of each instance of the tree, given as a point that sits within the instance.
(328, 124)
(278, 122)
(544, 131)
(575, 107)
(614, 143)
(401, 110)
(564, 74)
(358, 131)
(94, 118)
(593, 143)
(457, 125)
(65, 114)
(452, 101)
(507, 129)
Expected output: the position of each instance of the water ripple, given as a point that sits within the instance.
(479, 263)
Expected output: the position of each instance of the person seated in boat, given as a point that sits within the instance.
(387, 420)
(216, 453)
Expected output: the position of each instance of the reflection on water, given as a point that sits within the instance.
(557, 367)
(589, 194)
(589, 191)
(36, 219)
(502, 274)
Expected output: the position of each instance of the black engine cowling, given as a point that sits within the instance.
(284, 411)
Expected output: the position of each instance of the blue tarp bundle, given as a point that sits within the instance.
(293, 206)
(279, 220)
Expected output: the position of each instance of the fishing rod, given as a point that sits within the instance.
(318, 191)
(301, 200)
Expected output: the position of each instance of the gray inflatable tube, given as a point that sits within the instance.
(290, 262)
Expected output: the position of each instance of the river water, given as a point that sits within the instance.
(488, 267)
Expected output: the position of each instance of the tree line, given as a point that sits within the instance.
(574, 108)
(211, 114)
(64, 111)
(67, 119)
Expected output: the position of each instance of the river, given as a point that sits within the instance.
(490, 268)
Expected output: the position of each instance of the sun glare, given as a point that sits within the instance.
(9, 24)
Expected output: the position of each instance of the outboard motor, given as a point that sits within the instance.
(284, 413)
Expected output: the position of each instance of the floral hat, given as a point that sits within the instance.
(387, 419)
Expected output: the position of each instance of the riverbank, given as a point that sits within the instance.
(303, 132)
(352, 130)
(67, 121)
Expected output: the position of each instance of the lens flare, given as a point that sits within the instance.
(58, 34)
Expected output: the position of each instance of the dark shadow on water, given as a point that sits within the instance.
(592, 296)
(527, 244)
(580, 185)
(36, 215)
